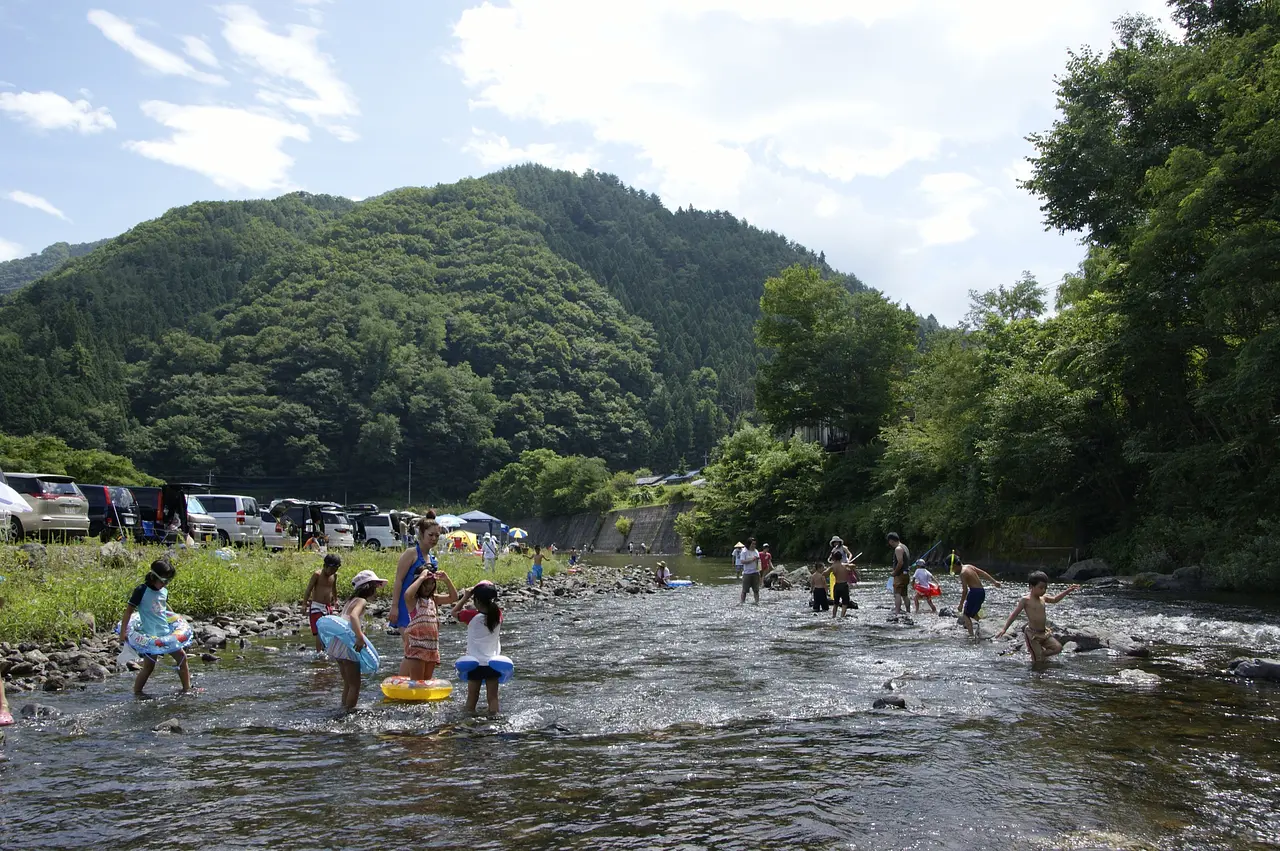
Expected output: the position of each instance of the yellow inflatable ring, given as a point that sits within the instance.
(403, 688)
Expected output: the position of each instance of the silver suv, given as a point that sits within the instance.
(238, 518)
(58, 508)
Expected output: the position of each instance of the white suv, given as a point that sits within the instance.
(375, 532)
(238, 518)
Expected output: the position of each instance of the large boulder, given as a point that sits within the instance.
(1191, 578)
(1090, 568)
(212, 636)
(1154, 582)
(1087, 640)
(1256, 669)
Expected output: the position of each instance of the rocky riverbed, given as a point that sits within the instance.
(70, 664)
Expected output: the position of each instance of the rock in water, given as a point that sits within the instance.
(1083, 571)
(39, 710)
(1136, 677)
(1256, 669)
(889, 703)
(170, 726)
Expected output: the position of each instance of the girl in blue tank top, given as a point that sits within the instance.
(411, 564)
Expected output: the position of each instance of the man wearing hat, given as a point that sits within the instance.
(661, 574)
(490, 551)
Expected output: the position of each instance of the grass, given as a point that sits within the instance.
(47, 602)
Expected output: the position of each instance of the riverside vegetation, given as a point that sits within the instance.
(526, 334)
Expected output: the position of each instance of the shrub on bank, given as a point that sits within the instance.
(47, 599)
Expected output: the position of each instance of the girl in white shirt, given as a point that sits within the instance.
(484, 661)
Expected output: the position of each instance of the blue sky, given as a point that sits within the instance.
(889, 136)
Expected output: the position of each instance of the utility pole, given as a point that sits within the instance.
(410, 500)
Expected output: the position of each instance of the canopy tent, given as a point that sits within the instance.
(478, 521)
(462, 540)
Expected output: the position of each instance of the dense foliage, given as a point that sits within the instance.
(541, 483)
(1142, 420)
(15, 274)
(318, 347)
(46, 454)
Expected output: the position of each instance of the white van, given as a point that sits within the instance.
(375, 531)
(238, 518)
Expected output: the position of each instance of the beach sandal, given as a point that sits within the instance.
(6, 719)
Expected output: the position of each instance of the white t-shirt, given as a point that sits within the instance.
(481, 643)
(490, 548)
(663, 574)
(750, 561)
(737, 557)
(922, 577)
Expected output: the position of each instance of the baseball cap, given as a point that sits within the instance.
(364, 577)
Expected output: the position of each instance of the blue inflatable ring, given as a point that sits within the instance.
(178, 637)
(679, 583)
(504, 666)
(330, 627)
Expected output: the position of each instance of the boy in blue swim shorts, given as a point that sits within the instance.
(535, 572)
(973, 594)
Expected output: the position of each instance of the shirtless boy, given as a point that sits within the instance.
(843, 574)
(818, 584)
(973, 594)
(1040, 642)
(322, 593)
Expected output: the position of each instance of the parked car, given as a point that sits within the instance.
(374, 530)
(273, 537)
(303, 521)
(200, 522)
(112, 511)
(58, 508)
(237, 517)
(159, 509)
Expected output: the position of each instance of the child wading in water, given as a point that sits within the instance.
(843, 574)
(155, 621)
(818, 583)
(366, 584)
(1040, 641)
(322, 594)
(484, 624)
(422, 636)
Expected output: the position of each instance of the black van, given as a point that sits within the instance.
(112, 511)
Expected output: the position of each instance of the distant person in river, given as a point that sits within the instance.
(750, 558)
(1040, 641)
(484, 626)
(925, 586)
(842, 572)
(322, 594)
(837, 545)
(412, 563)
(901, 578)
(818, 585)
(661, 575)
(697, 552)
(737, 558)
(973, 594)
(422, 635)
(774, 577)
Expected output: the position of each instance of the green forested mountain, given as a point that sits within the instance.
(314, 345)
(15, 274)
(696, 276)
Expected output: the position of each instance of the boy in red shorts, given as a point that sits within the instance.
(322, 593)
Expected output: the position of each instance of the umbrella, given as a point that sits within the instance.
(11, 502)
(518, 533)
(450, 521)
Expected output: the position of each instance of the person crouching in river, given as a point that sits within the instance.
(1040, 641)
(973, 594)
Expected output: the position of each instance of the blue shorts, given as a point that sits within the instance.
(972, 603)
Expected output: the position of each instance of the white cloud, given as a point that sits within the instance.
(35, 202)
(10, 250)
(300, 77)
(148, 53)
(237, 149)
(954, 199)
(51, 111)
(494, 150)
(880, 132)
(199, 50)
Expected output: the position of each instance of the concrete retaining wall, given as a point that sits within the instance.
(654, 525)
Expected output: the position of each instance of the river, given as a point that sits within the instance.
(682, 720)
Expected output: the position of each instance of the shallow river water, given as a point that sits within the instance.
(681, 720)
